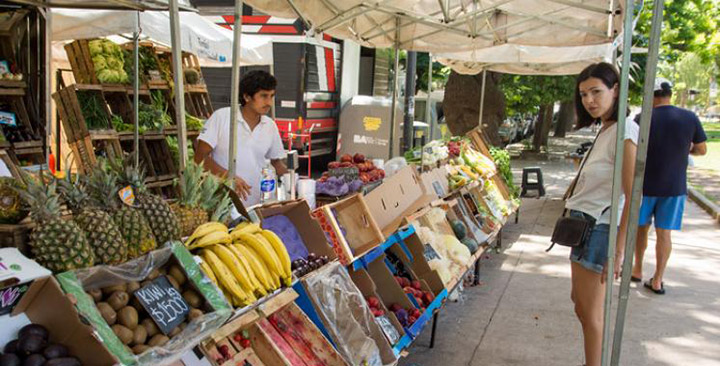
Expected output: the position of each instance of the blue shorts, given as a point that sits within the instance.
(668, 212)
(593, 255)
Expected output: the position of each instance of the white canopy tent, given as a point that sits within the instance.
(211, 43)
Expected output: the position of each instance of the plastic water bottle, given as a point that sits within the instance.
(268, 184)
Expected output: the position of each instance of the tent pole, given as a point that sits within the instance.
(48, 84)
(409, 108)
(482, 99)
(428, 110)
(617, 177)
(179, 83)
(235, 89)
(136, 89)
(640, 161)
(396, 68)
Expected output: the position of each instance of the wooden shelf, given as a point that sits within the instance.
(13, 84)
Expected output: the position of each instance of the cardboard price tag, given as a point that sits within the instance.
(127, 196)
(387, 327)
(164, 303)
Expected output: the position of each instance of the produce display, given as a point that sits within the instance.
(501, 157)
(348, 175)
(33, 348)
(246, 263)
(461, 230)
(109, 61)
(201, 199)
(93, 109)
(151, 117)
(12, 207)
(303, 266)
(172, 142)
(127, 316)
(406, 316)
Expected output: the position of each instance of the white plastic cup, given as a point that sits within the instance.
(306, 190)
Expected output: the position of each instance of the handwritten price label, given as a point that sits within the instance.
(164, 303)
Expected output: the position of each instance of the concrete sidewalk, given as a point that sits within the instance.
(521, 314)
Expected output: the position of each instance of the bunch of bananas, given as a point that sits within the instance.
(246, 264)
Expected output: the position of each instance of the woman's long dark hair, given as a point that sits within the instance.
(609, 76)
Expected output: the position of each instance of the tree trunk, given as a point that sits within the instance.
(542, 130)
(461, 105)
(566, 118)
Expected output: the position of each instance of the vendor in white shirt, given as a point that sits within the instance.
(258, 139)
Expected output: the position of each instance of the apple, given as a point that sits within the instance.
(346, 158)
(333, 165)
(358, 158)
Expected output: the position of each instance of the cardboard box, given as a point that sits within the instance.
(435, 181)
(217, 310)
(398, 196)
(298, 211)
(350, 228)
(17, 274)
(368, 288)
(46, 304)
(411, 252)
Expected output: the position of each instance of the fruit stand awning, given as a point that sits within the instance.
(210, 42)
(516, 31)
(107, 4)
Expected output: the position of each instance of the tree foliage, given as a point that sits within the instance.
(440, 73)
(526, 93)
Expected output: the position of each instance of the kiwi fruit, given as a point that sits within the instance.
(158, 340)
(174, 332)
(34, 329)
(195, 313)
(139, 335)
(178, 274)
(132, 287)
(155, 273)
(128, 317)
(145, 283)
(96, 294)
(109, 290)
(192, 298)
(118, 300)
(140, 348)
(107, 312)
(173, 282)
(122, 332)
(150, 326)
(55, 351)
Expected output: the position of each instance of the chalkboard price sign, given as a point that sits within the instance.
(164, 303)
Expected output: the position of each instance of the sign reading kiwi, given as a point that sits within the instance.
(164, 303)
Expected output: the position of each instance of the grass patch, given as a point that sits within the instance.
(701, 190)
(712, 130)
(711, 160)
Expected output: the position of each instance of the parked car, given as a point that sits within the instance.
(508, 130)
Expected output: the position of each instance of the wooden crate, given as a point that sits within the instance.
(16, 236)
(70, 111)
(84, 154)
(164, 188)
(197, 102)
(83, 69)
(158, 152)
(106, 144)
(128, 146)
(119, 103)
(479, 140)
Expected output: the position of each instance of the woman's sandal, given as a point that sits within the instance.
(660, 291)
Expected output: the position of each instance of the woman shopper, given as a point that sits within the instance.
(596, 100)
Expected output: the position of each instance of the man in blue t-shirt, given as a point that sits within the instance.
(674, 132)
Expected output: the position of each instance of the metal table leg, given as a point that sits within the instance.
(434, 327)
(476, 273)
(517, 215)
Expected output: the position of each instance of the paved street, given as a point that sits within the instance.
(521, 314)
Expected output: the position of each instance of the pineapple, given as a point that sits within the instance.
(135, 229)
(187, 209)
(102, 233)
(209, 197)
(57, 244)
(157, 212)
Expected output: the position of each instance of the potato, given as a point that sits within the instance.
(150, 326)
(158, 340)
(107, 312)
(128, 317)
(178, 274)
(118, 300)
(125, 334)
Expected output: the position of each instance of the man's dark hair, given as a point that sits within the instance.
(609, 76)
(665, 92)
(255, 81)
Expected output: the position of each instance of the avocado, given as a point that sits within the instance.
(34, 329)
(55, 351)
(34, 360)
(11, 347)
(30, 344)
(9, 359)
(63, 361)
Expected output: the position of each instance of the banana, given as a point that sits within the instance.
(263, 275)
(224, 276)
(250, 228)
(208, 272)
(206, 229)
(281, 252)
(215, 237)
(265, 251)
(237, 269)
(272, 273)
(257, 286)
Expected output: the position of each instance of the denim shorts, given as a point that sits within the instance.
(593, 255)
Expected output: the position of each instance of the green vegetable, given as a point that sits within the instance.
(193, 123)
(109, 61)
(502, 162)
(93, 109)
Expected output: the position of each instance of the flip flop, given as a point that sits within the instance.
(635, 279)
(649, 286)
